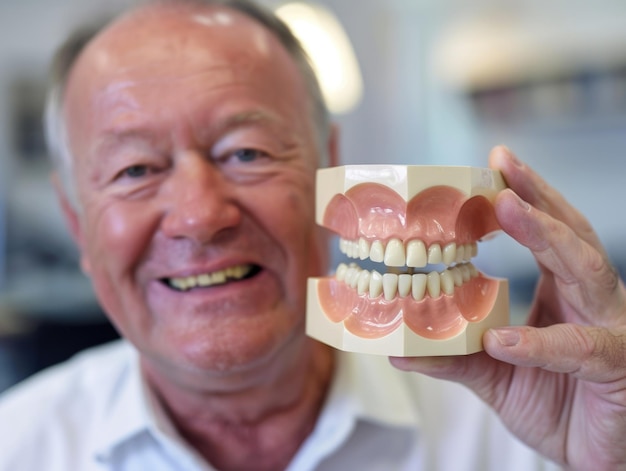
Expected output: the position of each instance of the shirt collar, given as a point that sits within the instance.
(128, 413)
(378, 392)
(364, 388)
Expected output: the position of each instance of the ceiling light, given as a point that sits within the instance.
(330, 51)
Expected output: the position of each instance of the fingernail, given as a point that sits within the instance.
(513, 158)
(506, 337)
(523, 204)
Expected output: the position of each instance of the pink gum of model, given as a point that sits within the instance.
(422, 224)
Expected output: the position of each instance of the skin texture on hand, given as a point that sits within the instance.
(558, 383)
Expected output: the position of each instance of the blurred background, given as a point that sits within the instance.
(414, 82)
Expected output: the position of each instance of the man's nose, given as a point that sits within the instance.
(200, 202)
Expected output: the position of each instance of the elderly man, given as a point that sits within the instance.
(189, 133)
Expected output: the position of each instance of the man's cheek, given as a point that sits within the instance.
(118, 237)
(290, 212)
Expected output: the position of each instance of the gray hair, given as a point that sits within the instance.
(63, 61)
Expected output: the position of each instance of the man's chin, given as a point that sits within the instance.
(217, 354)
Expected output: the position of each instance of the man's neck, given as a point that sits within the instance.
(259, 426)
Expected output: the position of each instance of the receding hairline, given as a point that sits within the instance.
(159, 18)
(117, 29)
(138, 15)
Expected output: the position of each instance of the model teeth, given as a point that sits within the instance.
(392, 285)
(394, 254)
(433, 284)
(446, 280)
(376, 284)
(418, 286)
(363, 283)
(449, 253)
(404, 285)
(434, 254)
(377, 251)
(415, 254)
(364, 249)
(211, 279)
(460, 253)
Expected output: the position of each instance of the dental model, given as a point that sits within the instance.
(422, 223)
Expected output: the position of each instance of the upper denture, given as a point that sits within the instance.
(437, 215)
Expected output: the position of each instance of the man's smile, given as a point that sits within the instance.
(219, 277)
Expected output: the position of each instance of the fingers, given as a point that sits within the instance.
(588, 353)
(588, 283)
(489, 378)
(534, 190)
(475, 371)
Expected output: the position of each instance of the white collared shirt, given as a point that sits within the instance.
(95, 413)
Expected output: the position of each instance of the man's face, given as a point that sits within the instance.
(194, 163)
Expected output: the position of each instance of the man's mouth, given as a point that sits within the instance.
(216, 278)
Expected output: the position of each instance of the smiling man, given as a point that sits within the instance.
(185, 153)
(188, 134)
(194, 173)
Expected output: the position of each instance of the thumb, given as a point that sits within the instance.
(588, 353)
(479, 371)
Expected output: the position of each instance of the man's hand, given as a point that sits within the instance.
(558, 383)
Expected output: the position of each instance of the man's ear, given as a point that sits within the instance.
(72, 220)
(333, 146)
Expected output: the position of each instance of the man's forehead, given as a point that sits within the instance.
(157, 40)
(163, 28)
(174, 62)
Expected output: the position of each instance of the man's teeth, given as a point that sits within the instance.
(391, 285)
(210, 279)
(415, 254)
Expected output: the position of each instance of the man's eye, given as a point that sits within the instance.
(248, 155)
(135, 171)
